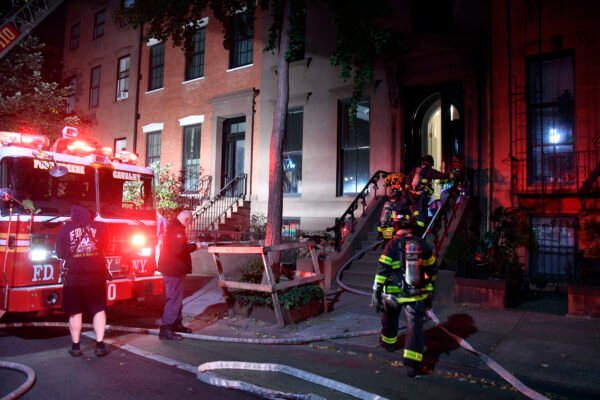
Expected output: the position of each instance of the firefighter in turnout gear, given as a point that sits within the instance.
(405, 277)
(421, 189)
(397, 204)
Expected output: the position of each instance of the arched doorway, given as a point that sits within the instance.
(435, 126)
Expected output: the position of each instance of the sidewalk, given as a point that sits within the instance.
(546, 352)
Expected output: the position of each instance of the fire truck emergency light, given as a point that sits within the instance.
(24, 139)
(70, 132)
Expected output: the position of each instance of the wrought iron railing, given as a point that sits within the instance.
(193, 197)
(208, 216)
(568, 173)
(345, 224)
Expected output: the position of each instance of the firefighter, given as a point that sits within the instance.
(404, 278)
(396, 205)
(421, 189)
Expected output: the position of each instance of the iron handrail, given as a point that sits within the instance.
(345, 224)
(205, 217)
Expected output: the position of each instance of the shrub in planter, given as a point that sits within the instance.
(298, 302)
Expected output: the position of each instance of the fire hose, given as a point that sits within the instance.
(221, 382)
(493, 365)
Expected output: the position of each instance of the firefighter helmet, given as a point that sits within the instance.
(428, 159)
(405, 219)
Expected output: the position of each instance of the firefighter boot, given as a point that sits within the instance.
(178, 327)
(166, 333)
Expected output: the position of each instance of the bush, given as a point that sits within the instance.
(291, 298)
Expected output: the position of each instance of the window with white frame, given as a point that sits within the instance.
(157, 66)
(191, 157)
(123, 77)
(242, 37)
(354, 148)
(95, 87)
(194, 63)
(153, 147)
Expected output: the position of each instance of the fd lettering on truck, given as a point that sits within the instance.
(38, 185)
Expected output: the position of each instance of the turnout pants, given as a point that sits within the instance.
(414, 342)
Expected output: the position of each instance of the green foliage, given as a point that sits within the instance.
(167, 188)
(252, 272)
(26, 99)
(361, 40)
(291, 298)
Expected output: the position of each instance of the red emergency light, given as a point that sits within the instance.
(23, 139)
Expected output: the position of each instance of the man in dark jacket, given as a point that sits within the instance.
(81, 243)
(175, 263)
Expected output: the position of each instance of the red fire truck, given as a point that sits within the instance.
(38, 186)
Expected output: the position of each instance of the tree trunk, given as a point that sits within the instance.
(275, 202)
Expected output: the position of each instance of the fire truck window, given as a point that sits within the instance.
(125, 195)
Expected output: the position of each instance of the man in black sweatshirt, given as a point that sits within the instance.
(81, 243)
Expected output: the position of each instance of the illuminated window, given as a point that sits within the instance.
(74, 36)
(95, 87)
(241, 48)
(123, 78)
(194, 63)
(99, 20)
(157, 66)
(292, 152)
(550, 116)
(354, 148)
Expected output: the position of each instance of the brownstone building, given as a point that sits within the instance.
(510, 87)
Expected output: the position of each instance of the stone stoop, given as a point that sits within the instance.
(238, 219)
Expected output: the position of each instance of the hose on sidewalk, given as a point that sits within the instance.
(493, 365)
(25, 386)
(217, 381)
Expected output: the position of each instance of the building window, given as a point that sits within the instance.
(298, 36)
(153, 147)
(290, 227)
(125, 4)
(241, 48)
(74, 36)
(99, 19)
(354, 148)
(553, 255)
(194, 63)
(123, 78)
(292, 152)
(120, 144)
(72, 85)
(157, 66)
(191, 157)
(550, 116)
(95, 87)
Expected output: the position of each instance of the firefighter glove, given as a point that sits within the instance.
(377, 299)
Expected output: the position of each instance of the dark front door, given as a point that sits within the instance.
(234, 145)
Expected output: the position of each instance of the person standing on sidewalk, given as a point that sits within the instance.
(81, 243)
(404, 278)
(175, 263)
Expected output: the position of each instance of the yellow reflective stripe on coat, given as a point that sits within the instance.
(413, 355)
(391, 289)
(396, 265)
(412, 298)
(385, 260)
(430, 261)
(380, 279)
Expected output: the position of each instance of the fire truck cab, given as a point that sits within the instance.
(38, 186)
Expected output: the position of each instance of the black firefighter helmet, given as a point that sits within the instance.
(405, 219)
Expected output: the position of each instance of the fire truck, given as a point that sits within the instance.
(38, 185)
